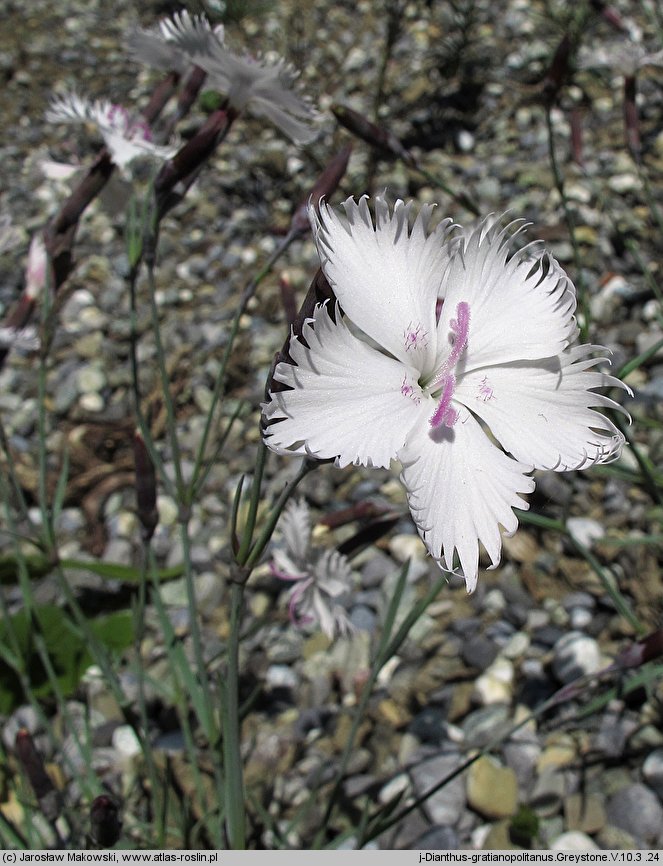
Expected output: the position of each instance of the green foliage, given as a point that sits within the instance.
(524, 827)
(39, 566)
(48, 628)
(210, 100)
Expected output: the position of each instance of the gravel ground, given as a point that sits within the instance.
(464, 93)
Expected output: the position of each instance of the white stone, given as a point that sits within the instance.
(168, 510)
(280, 677)
(91, 402)
(495, 685)
(393, 788)
(575, 655)
(126, 742)
(584, 530)
(624, 183)
(517, 645)
(580, 617)
(91, 379)
(574, 840)
(652, 771)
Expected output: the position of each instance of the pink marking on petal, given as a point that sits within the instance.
(295, 598)
(485, 391)
(414, 337)
(282, 575)
(408, 391)
(445, 414)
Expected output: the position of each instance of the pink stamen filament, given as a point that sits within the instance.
(445, 413)
(460, 327)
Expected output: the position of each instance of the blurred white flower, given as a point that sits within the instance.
(423, 383)
(622, 57)
(127, 137)
(319, 577)
(157, 46)
(263, 87)
(36, 268)
(23, 339)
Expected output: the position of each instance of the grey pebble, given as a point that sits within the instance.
(652, 771)
(637, 809)
(439, 838)
(446, 805)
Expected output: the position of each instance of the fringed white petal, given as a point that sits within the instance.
(295, 526)
(521, 304)
(387, 276)
(460, 489)
(544, 412)
(265, 88)
(126, 137)
(297, 126)
(347, 401)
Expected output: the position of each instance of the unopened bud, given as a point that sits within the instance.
(288, 298)
(324, 187)
(641, 652)
(611, 15)
(558, 71)
(32, 762)
(380, 138)
(146, 488)
(105, 822)
(631, 121)
(319, 291)
(193, 154)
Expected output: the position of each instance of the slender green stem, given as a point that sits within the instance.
(146, 745)
(171, 423)
(141, 420)
(376, 826)
(198, 475)
(647, 469)
(15, 483)
(199, 657)
(254, 503)
(271, 521)
(583, 299)
(461, 197)
(234, 776)
(609, 586)
(188, 689)
(388, 647)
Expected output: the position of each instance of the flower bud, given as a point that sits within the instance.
(631, 123)
(146, 488)
(105, 821)
(376, 136)
(324, 187)
(558, 72)
(32, 762)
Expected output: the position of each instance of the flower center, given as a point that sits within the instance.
(444, 380)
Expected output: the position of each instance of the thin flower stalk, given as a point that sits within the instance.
(389, 145)
(325, 185)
